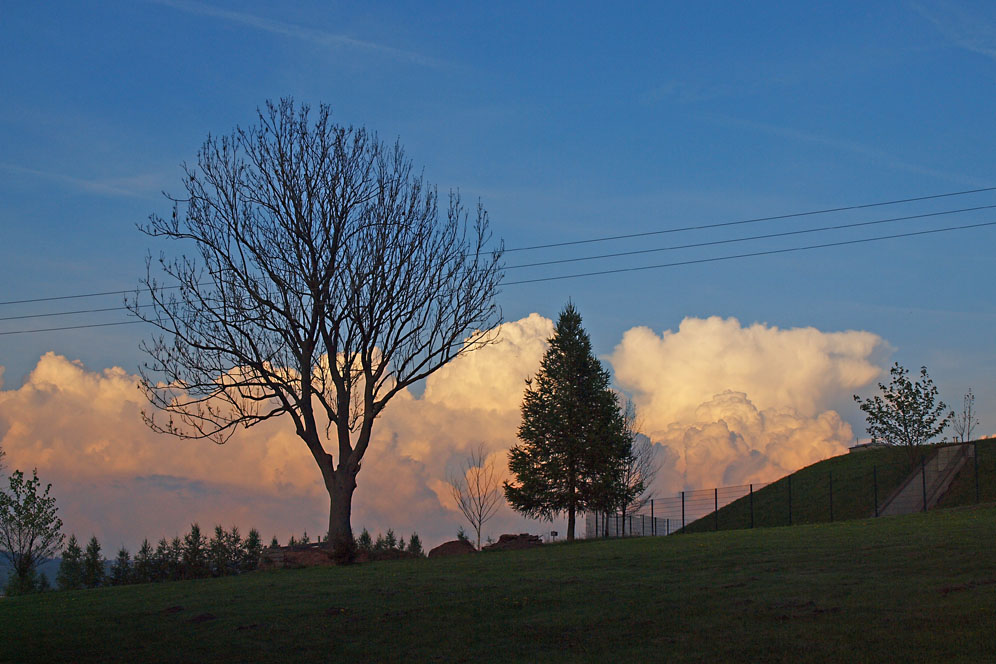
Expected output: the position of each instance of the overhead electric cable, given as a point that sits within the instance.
(745, 239)
(696, 261)
(71, 313)
(82, 295)
(749, 255)
(810, 213)
(592, 240)
(73, 327)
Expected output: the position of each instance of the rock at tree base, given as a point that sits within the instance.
(509, 542)
(453, 548)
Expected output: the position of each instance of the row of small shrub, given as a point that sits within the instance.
(192, 557)
(389, 543)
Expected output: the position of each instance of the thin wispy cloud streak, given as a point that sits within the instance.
(965, 29)
(299, 32)
(844, 145)
(138, 186)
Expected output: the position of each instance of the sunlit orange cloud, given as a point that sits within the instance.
(729, 404)
(116, 479)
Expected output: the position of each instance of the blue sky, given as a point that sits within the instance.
(569, 122)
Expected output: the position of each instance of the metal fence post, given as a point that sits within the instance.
(667, 526)
(653, 519)
(715, 508)
(975, 455)
(682, 511)
(790, 498)
(923, 478)
(831, 496)
(751, 505)
(875, 486)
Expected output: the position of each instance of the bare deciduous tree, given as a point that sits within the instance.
(965, 422)
(322, 283)
(641, 466)
(477, 489)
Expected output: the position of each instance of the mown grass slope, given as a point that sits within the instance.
(853, 484)
(912, 588)
(963, 490)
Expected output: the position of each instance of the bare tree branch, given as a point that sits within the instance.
(322, 282)
(477, 489)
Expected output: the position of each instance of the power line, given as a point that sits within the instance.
(82, 295)
(745, 239)
(72, 327)
(71, 313)
(594, 240)
(749, 255)
(585, 258)
(810, 213)
(632, 269)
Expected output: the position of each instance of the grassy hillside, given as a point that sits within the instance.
(912, 588)
(962, 490)
(854, 479)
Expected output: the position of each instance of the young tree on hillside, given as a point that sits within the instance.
(415, 545)
(476, 489)
(573, 441)
(70, 574)
(323, 280)
(966, 421)
(195, 554)
(121, 569)
(144, 568)
(908, 413)
(30, 530)
(252, 550)
(93, 564)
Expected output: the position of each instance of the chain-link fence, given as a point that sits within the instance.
(871, 481)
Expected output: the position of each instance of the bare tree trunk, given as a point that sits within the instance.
(341, 505)
(570, 523)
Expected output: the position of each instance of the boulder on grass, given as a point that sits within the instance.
(453, 548)
(509, 542)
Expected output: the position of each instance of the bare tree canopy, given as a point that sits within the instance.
(965, 422)
(322, 281)
(477, 489)
(641, 467)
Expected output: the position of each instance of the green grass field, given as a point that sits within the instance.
(912, 588)
(963, 489)
(858, 481)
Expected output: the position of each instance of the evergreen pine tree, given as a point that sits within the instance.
(93, 564)
(218, 553)
(145, 563)
(121, 571)
(415, 545)
(195, 557)
(70, 574)
(233, 540)
(174, 560)
(252, 549)
(161, 561)
(364, 542)
(573, 443)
